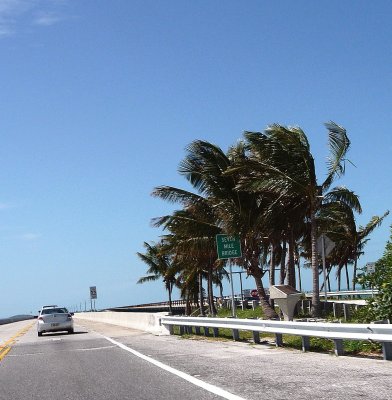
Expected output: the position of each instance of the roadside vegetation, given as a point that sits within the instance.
(265, 190)
(380, 306)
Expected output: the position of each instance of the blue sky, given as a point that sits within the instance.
(99, 99)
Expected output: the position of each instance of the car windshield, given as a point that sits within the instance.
(54, 311)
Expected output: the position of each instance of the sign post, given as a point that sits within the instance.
(324, 246)
(229, 246)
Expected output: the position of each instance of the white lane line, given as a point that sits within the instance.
(211, 388)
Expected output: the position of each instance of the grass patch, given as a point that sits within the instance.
(316, 344)
(361, 347)
(247, 313)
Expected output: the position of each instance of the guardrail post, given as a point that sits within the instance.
(236, 334)
(278, 340)
(304, 306)
(346, 311)
(305, 343)
(387, 350)
(338, 347)
(206, 331)
(256, 336)
(182, 329)
(215, 332)
(197, 330)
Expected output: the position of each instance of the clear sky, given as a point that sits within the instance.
(98, 100)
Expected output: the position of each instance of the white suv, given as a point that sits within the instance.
(54, 319)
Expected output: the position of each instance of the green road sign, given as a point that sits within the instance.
(228, 246)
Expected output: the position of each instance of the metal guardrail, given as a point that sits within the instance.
(381, 333)
(343, 293)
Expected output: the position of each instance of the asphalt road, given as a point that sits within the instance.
(103, 361)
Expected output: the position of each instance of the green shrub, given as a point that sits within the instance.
(380, 306)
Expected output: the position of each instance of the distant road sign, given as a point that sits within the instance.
(371, 267)
(329, 245)
(93, 292)
(228, 246)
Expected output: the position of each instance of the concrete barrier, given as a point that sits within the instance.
(147, 322)
(17, 318)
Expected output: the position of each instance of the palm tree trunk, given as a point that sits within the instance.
(290, 261)
(329, 270)
(251, 250)
(201, 297)
(299, 276)
(188, 305)
(315, 267)
(211, 302)
(272, 272)
(283, 263)
(170, 288)
(339, 277)
(355, 273)
(347, 278)
(268, 311)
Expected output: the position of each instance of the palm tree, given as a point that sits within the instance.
(284, 166)
(339, 224)
(234, 211)
(361, 238)
(337, 221)
(192, 239)
(239, 212)
(161, 266)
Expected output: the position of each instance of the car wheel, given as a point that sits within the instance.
(39, 333)
(70, 331)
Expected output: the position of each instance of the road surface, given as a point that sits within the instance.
(102, 361)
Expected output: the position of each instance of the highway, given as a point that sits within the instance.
(102, 361)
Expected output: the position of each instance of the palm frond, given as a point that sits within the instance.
(176, 195)
(338, 147)
(372, 225)
(343, 195)
(148, 278)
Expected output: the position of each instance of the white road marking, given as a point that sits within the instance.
(62, 351)
(95, 348)
(211, 388)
